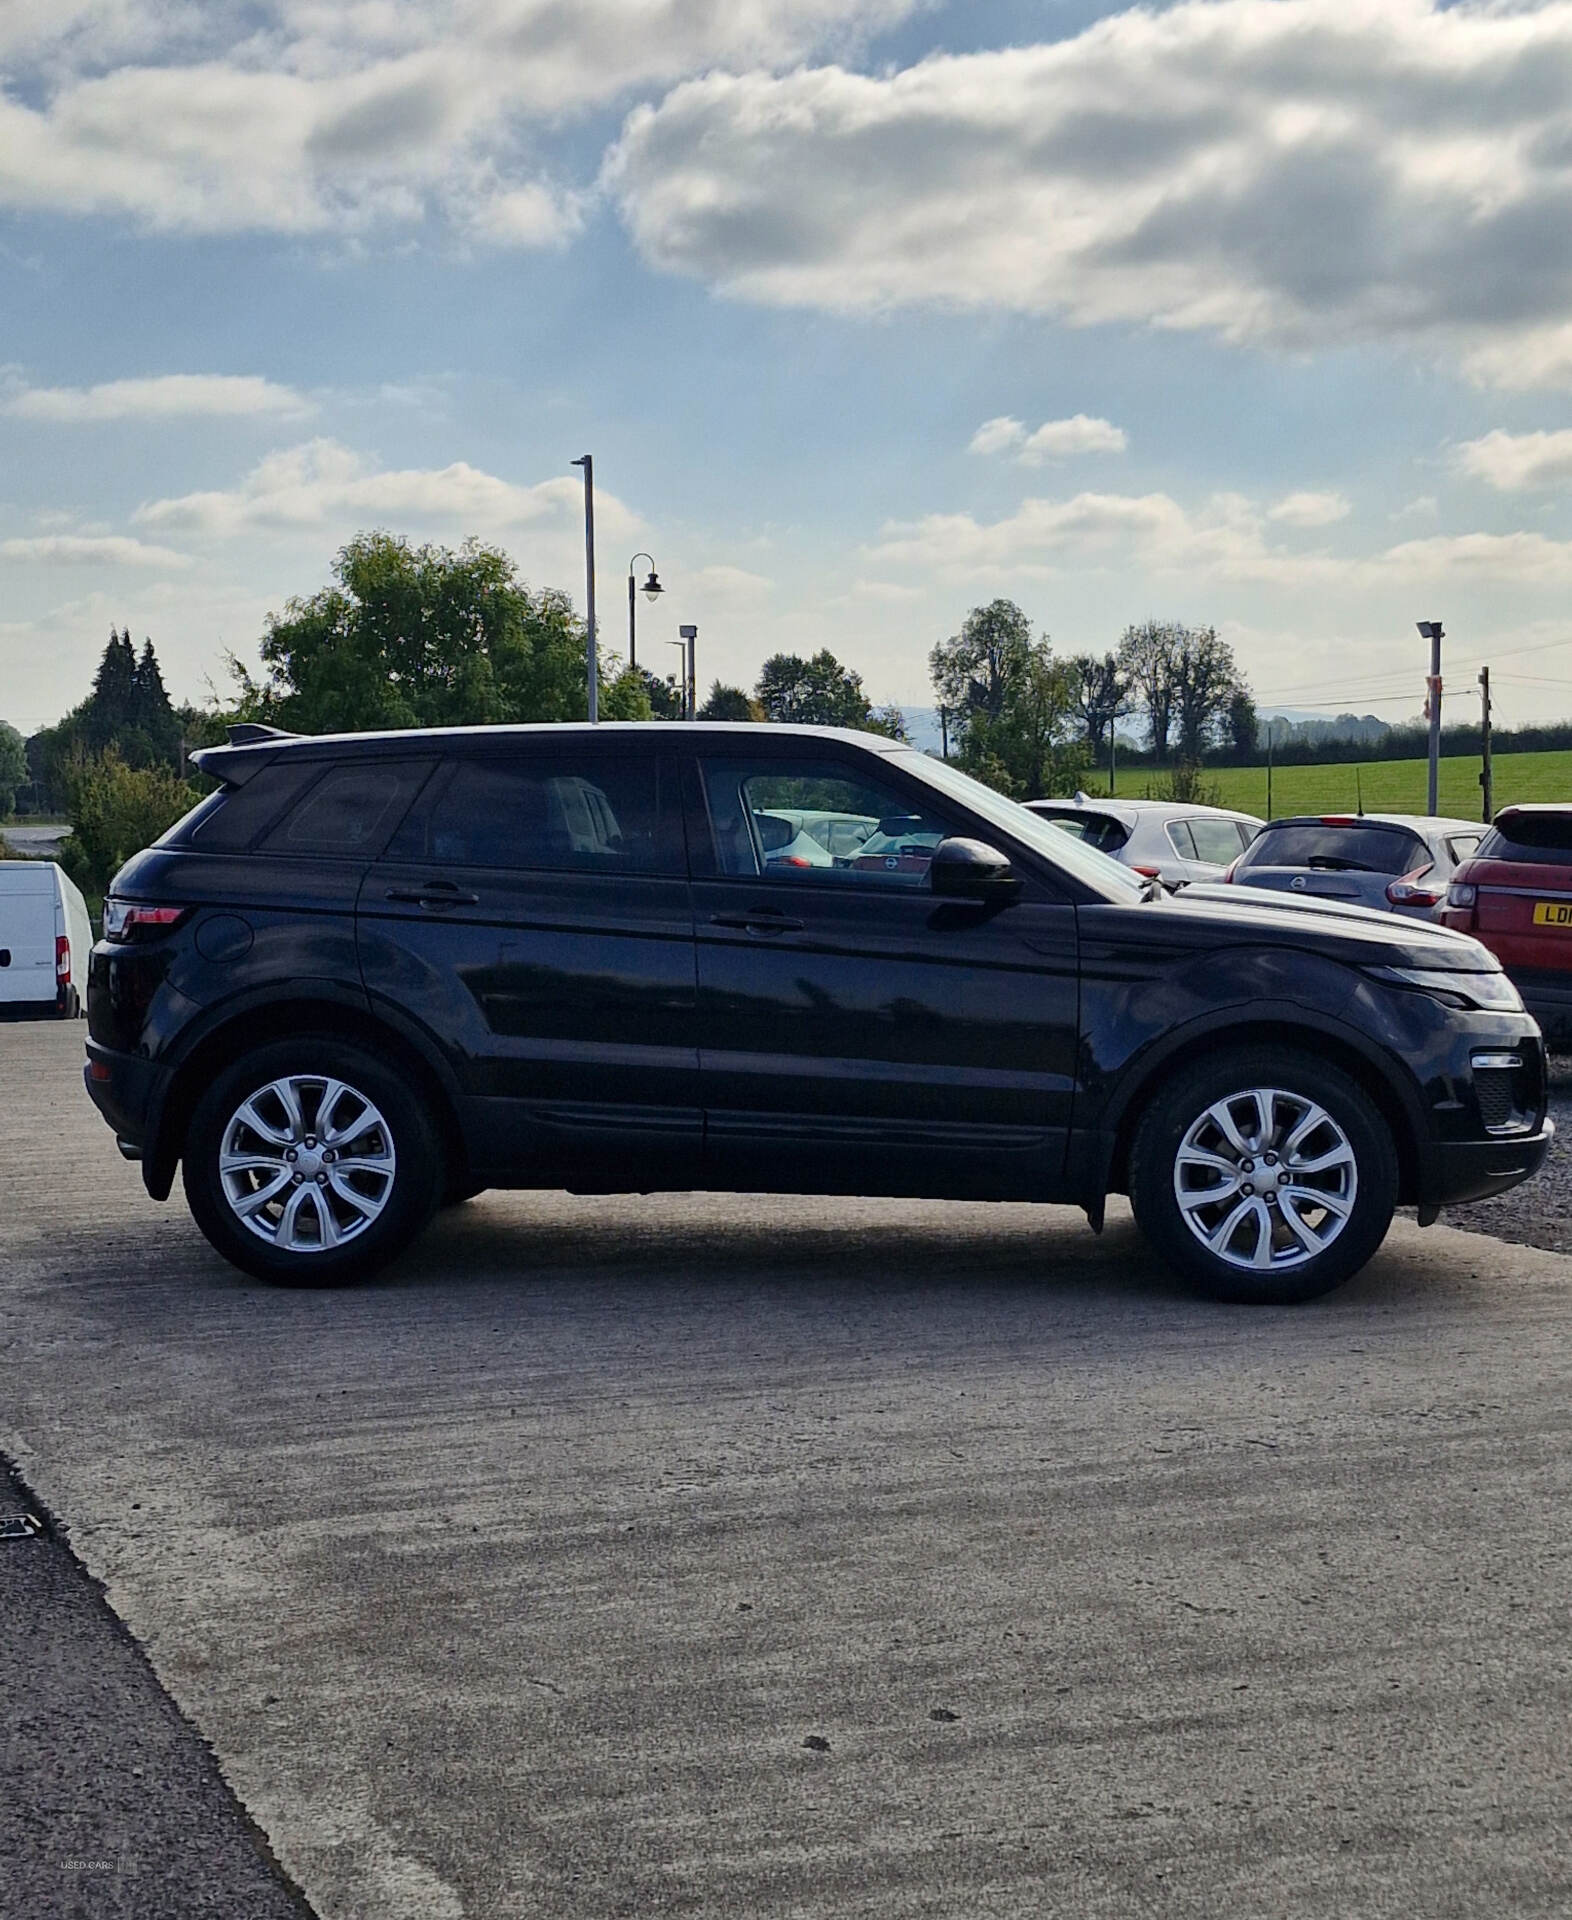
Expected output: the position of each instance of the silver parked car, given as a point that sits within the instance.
(1398, 862)
(1162, 839)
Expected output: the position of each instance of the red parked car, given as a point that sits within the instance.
(1515, 895)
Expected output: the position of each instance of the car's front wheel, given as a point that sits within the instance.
(310, 1163)
(1264, 1176)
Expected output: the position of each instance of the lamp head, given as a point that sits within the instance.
(652, 587)
(1430, 630)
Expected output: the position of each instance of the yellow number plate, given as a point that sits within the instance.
(1553, 913)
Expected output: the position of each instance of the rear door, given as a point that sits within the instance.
(27, 933)
(532, 914)
(856, 1033)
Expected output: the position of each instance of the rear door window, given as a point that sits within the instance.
(1338, 849)
(1099, 830)
(755, 808)
(588, 814)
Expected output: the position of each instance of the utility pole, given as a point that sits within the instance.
(1113, 786)
(1486, 778)
(1432, 631)
(587, 463)
(944, 731)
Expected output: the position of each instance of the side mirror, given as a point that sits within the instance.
(971, 870)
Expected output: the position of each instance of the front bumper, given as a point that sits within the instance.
(1457, 1171)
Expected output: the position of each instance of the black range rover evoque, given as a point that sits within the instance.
(373, 973)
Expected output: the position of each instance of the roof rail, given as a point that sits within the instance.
(248, 733)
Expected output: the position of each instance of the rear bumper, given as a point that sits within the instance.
(1457, 1171)
(129, 1092)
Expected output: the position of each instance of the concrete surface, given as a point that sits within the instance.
(768, 1557)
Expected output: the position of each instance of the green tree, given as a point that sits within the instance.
(1100, 695)
(152, 716)
(1031, 750)
(973, 670)
(889, 721)
(1204, 680)
(116, 811)
(1146, 659)
(816, 692)
(1244, 725)
(729, 703)
(420, 636)
(13, 767)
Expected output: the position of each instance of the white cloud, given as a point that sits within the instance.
(90, 550)
(1225, 541)
(1055, 439)
(1513, 462)
(998, 435)
(326, 489)
(1424, 506)
(162, 397)
(1310, 510)
(1286, 172)
(299, 116)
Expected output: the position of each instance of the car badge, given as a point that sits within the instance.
(891, 862)
(1298, 883)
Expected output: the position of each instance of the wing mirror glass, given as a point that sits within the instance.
(971, 870)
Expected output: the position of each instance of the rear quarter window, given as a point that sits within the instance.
(230, 820)
(350, 810)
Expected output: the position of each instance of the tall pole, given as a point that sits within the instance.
(1486, 779)
(1113, 787)
(587, 463)
(1431, 630)
(944, 731)
(1269, 769)
(690, 637)
(633, 649)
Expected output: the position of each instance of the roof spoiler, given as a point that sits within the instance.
(251, 733)
(222, 763)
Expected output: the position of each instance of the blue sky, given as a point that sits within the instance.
(1251, 312)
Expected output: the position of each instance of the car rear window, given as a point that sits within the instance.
(1354, 849)
(1540, 839)
(230, 820)
(1099, 830)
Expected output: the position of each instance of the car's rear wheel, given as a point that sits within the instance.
(1264, 1176)
(310, 1163)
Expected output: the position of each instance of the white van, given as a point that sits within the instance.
(45, 937)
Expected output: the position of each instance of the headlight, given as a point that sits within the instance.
(1493, 992)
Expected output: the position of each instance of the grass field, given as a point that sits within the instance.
(1385, 786)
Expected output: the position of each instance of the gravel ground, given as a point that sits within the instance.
(1540, 1214)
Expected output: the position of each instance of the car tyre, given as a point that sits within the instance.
(310, 1162)
(1264, 1176)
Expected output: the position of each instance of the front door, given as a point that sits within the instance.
(856, 1033)
(533, 913)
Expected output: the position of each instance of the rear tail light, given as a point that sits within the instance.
(62, 960)
(790, 860)
(1408, 892)
(1228, 876)
(1462, 893)
(127, 920)
(1148, 873)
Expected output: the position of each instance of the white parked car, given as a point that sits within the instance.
(45, 938)
(1162, 839)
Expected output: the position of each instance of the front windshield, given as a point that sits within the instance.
(1093, 869)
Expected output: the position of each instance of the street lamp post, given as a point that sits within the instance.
(690, 636)
(1431, 630)
(587, 463)
(652, 592)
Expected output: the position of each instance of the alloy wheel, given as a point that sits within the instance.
(306, 1163)
(1265, 1179)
